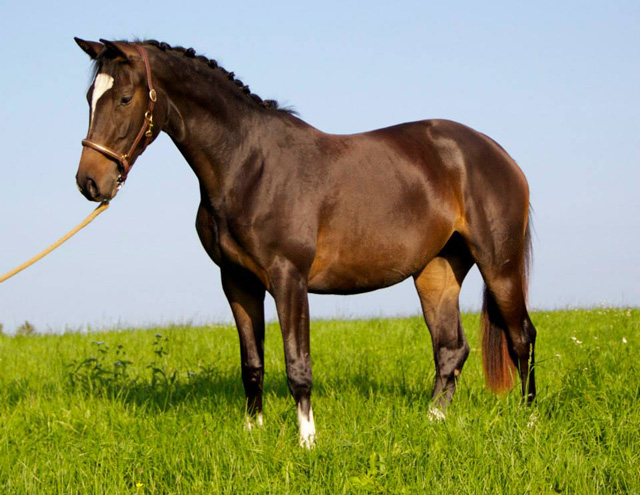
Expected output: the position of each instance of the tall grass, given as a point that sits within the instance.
(161, 411)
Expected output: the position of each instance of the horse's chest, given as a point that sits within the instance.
(223, 245)
(238, 252)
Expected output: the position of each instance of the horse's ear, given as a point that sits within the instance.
(120, 49)
(91, 48)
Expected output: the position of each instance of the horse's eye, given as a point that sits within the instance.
(125, 100)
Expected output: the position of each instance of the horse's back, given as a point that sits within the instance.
(470, 172)
(437, 169)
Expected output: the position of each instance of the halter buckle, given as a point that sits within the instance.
(149, 116)
(153, 96)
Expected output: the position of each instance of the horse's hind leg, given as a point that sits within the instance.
(438, 286)
(508, 334)
(507, 326)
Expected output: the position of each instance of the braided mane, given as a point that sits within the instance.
(213, 64)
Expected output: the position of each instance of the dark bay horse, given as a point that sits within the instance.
(288, 209)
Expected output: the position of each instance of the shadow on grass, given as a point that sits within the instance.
(210, 385)
(156, 386)
(584, 386)
(372, 386)
(163, 390)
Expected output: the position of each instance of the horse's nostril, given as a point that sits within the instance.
(91, 188)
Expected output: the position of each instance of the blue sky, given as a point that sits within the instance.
(556, 83)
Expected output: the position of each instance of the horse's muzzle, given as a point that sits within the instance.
(94, 190)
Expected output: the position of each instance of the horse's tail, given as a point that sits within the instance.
(498, 366)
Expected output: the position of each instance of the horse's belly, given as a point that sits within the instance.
(366, 263)
(354, 279)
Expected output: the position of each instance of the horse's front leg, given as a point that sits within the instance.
(289, 289)
(246, 297)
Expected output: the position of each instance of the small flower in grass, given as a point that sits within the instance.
(576, 340)
(139, 485)
(624, 340)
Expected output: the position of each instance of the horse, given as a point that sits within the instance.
(290, 210)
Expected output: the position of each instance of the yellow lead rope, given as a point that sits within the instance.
(103, 206)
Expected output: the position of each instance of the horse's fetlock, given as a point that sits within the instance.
(300, 386)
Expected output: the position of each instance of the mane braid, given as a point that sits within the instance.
(213, 64)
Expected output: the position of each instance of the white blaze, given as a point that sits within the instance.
(101, 85)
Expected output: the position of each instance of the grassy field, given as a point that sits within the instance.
(161, 411)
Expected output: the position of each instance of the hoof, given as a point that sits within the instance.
(533, 420)
(308, 442)
(307, 429)
(251, 423)
(435, 414)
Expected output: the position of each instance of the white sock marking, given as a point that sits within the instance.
(248, 421)
(435, 414)
(307, 429)
(101, 85)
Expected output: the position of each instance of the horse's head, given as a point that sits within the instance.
(124, 116)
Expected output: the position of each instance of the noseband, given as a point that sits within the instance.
(146, 129)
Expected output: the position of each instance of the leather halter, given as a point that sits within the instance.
(146, 130)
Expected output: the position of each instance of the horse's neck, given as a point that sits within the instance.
(220, 133)
(214, 144)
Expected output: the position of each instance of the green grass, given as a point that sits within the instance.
(168, 418)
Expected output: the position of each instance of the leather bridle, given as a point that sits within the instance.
(146, 130)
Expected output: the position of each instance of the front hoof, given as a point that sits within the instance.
(308, 442)
(307, 429)
(250, 423)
